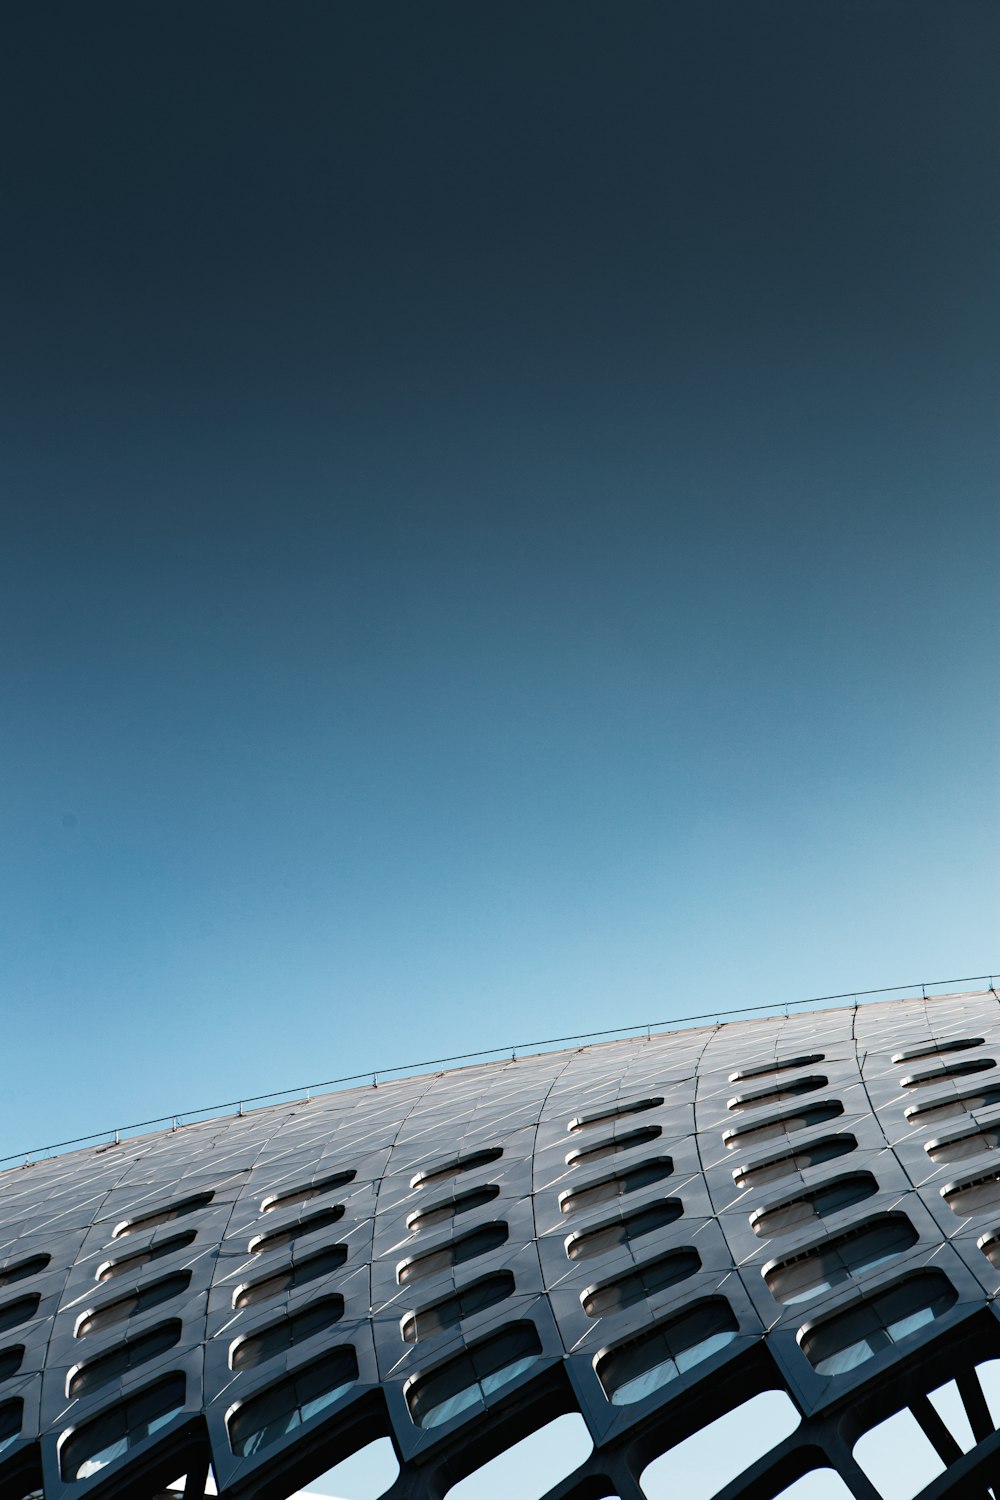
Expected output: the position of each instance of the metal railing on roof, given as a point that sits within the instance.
(304, 1092)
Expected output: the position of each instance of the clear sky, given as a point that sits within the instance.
(499, 528)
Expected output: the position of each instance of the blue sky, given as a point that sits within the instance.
(500, 536)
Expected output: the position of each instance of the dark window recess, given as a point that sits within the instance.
(790, 1089)
(780, 1065)
(874, 1323)
(10, 1361)
(127, 1355)
(462, 1248)
(643, 1365)
(465, 1303)
(18, 1311)
(990, 1246)
(953, 1070)
(472, 1377)
(645, 1281)
(961, 1147)
(19, 1270)
(284, 1334)
(133, 1263)
(166, 1214)
(827, 1148)
(607, 1189)
(836, 1260)
(954, 1104)
(111, 1435)
(976, 1195)
(450, 1208)
(309, 1225)
(300, 1273)
(467, 1163)
(829, 1198)
(11, 1416)
(614, 1112)
(621, 1230)
(306, 1191)
(290, 1402)
(784, 1124)
(627, 1141)
(140, 1300)
(935, 1049)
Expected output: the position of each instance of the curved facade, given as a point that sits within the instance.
(650, 1233)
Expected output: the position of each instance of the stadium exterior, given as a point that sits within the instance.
(650, 1233)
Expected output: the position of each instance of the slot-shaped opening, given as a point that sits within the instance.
(826, 1198)
(467, 1162)
(286, 1333)
(455, 1252)
(644, 1281)
(125, 1356)
(961, 1069)
(628, 1140)
(20, 1270)
(936, 1049)
(974, 1195)
(286, 1405)
(615, 1111)
(616, 1185)
(18, 1310)
(452, 1208)
(779, 1065)
(952, 1105)
(450, 1311)
(128, 1265)
(834, 1261)
(788, 1123)
(788, 1088)
(305, 1192)
(827, 1148)
(110, 1436)
(640, 1366)
(629, 1225)
(309, 1224)
(469, 1380)
(961, 1147)
(164, 1215)
(139, 1300)
(871, 1324)
(299, 1273)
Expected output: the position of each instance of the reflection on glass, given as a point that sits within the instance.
(856, 1335)
(111, 1435)
(635, 1369)
(289, 1403)
(473, 1376)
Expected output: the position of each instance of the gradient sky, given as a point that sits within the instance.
(500, 527)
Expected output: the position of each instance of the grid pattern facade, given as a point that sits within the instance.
(646, 1232)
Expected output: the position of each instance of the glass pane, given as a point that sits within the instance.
(847, 1358)
(445, 1410)
(500, 1378)
(645, 1384)
(632, 1369)
(102, 1458)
